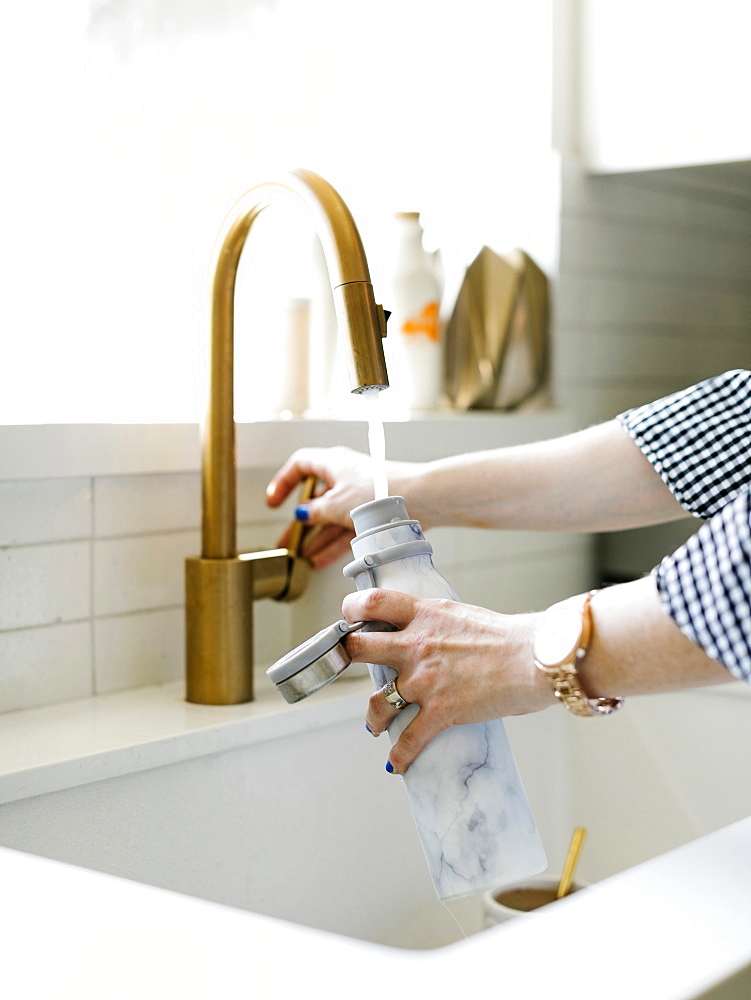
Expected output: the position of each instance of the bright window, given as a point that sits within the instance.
(132, 125)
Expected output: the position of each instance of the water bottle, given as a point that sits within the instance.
(467, 799)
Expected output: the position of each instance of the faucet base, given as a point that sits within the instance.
(219, 630)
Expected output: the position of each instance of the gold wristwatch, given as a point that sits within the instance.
(562, 639)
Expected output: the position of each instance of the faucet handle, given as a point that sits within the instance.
(298, 568)
(297, 528)
(383, 320)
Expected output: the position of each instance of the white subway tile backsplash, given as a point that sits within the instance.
(253, 537)
(632, 353)
(607, 301)
(631, 554)
(465, 547)
(44, 584)
(141, 573)
(620, 197)
(478, 545)
(44, 510)
(667, 198)
(133, 505)
(321, 604)
(732, 220)
(527, 583)
(655, 294)
(443, 541)
(279, 627)
(606, 244)
(600, 400)
(42, 666)
(139, 649)
(272, 631)
(251, 497)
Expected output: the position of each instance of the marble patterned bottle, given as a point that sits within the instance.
(467, 799)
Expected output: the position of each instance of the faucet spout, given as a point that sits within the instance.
(220, 584)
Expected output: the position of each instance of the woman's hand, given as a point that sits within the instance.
(458, 662)
(465, 664)
(345, 481)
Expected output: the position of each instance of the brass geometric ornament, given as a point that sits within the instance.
(496, 352)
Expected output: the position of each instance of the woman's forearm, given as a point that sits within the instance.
(593, 480)
(637, 648)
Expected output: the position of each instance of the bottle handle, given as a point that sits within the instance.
(373, 560)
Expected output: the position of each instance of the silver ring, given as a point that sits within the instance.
(392, 696)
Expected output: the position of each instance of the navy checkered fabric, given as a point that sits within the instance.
(699, 441)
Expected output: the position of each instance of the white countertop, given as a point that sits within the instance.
(60, 746)
(667, 929)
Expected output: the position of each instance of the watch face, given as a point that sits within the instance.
(558, 635)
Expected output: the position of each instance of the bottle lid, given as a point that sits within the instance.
(317, 661)
(378, 514)
(313, 664)
(307, 652)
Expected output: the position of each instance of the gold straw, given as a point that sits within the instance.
(571, 859)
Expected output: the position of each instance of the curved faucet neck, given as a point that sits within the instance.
(357, 313)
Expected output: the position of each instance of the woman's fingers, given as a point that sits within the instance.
(299, 465)
(413, 739)
(379, 605)
(380, 713)
(345, 481)
(324, 545)
(412, 742)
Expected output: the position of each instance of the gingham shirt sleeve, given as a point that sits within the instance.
(699, 441)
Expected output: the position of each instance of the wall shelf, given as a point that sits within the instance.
(48, 451)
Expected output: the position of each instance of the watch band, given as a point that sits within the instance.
(564, 678)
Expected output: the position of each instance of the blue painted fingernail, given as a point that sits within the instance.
(389, 767)
(369, 729)
(301, 512)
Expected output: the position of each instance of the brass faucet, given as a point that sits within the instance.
(221, 584)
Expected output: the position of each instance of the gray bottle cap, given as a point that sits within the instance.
(318, 661)
(309, 651)
(378, 514)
